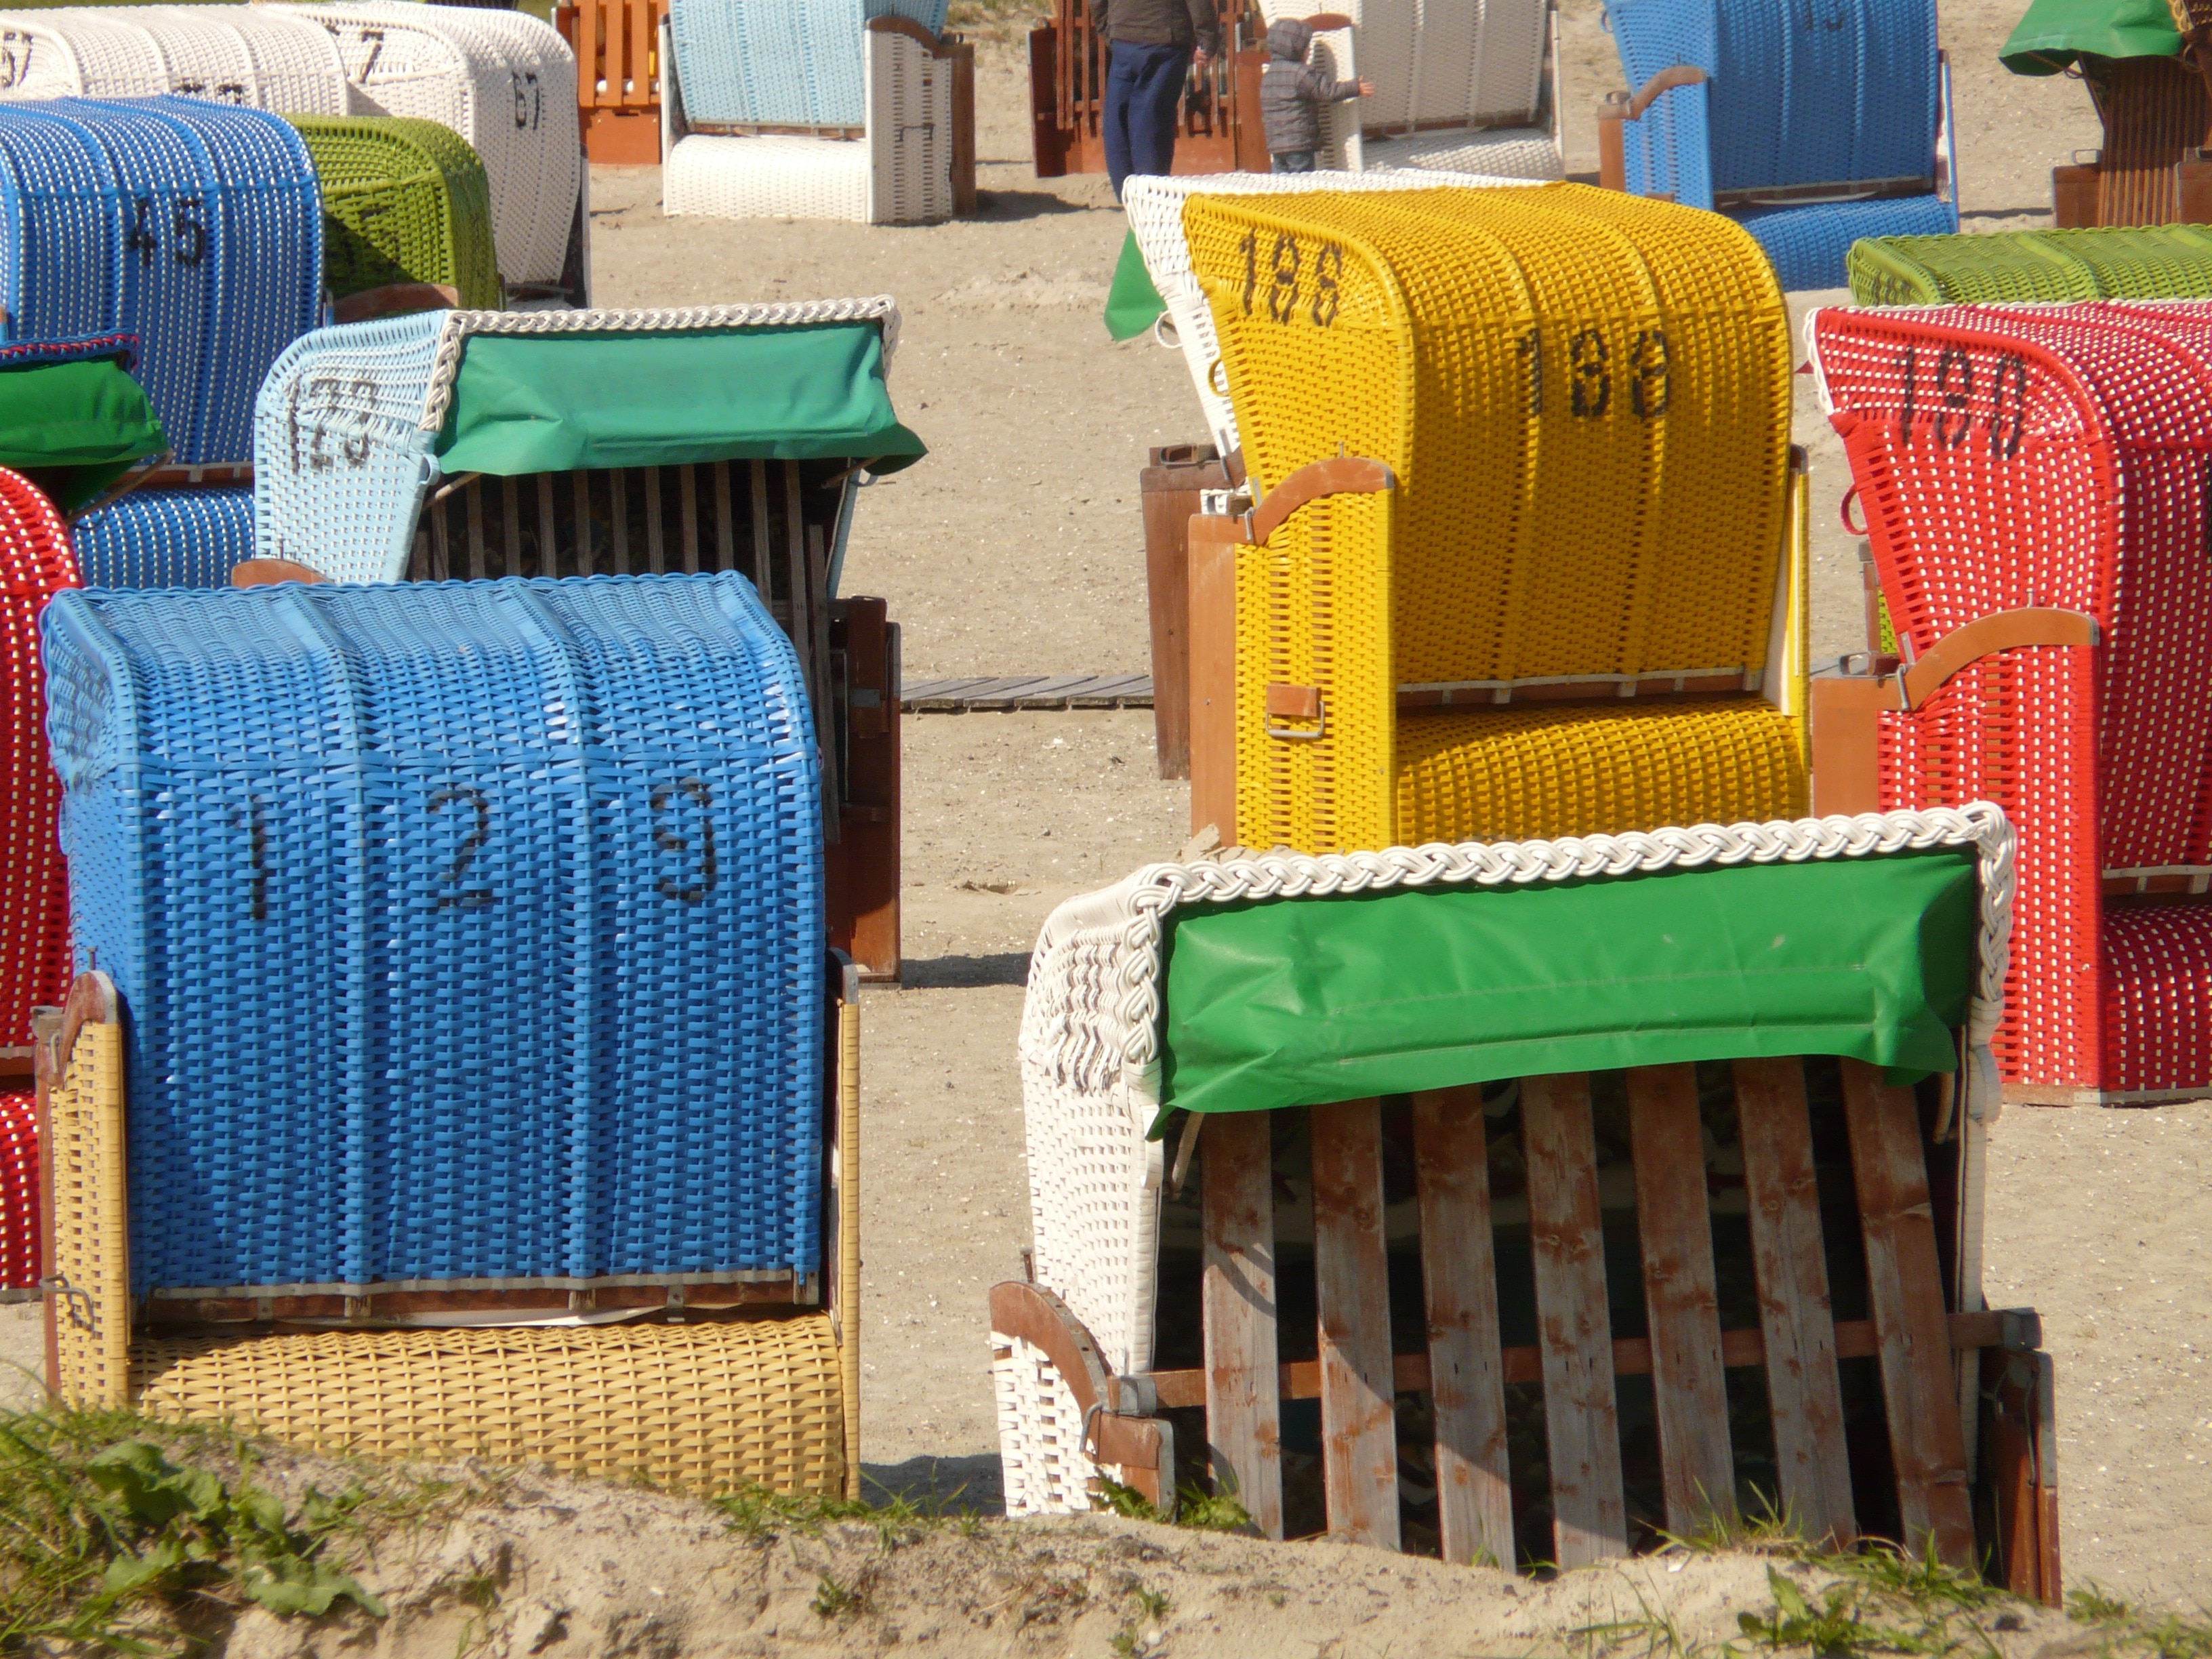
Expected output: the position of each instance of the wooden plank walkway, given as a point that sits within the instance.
(1023, 692)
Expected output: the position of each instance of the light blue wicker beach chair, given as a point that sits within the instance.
(192, 224)
(1812, 124)
(781, 63)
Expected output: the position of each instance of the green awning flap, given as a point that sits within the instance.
(2055, 33)
(1133, 304)
(557, 403)
(77, 425)
(1303, 1001)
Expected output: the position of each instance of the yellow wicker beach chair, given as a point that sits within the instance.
(1526, 552)
(718, 1388)
(404, 201)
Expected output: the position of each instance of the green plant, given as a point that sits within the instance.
(103, 1539)
(1195, 1507)
(2166, 1636)
(833, 1600)
(1152, 1603)
(1832, 1626)
(756, 1512)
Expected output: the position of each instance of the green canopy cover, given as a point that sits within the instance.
(1303, 1001)
(2055, 34)
(1133, 304)
(561, 402)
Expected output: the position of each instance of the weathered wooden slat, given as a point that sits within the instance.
(618, 495)
(1589, 1518)
(656, 547)
(1803, 1397)
(1675, 1225)
(1243, 1420)
(1904, 1289)
(726, 522)
(1459, 1281)
(472, 501)
(582, 480)
(549, 541)
(801, 626)
(1358, 1428)
(687, 486)
(763, 537)
(1631, 1357)
(510, 506)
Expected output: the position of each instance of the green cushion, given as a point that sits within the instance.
(77, 426)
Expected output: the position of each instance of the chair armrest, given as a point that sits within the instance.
(1616, 107)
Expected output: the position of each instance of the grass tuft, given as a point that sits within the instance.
(1196, 1508)
(121, 1532)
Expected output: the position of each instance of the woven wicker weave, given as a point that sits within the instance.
(1572, 387)
(1155, 208)
(899, 174)
(705, 1406)
(2054, 457)
(166, 538)
(2161, 262)
(246, 55)
(404, 201)
(541, 865)
(191, 224)
(1832, 103)
(19, 1192)
(781, 62)
(33, 880)
(503, 81)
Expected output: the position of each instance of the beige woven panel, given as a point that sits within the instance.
(703, 1407)
(91, 1303)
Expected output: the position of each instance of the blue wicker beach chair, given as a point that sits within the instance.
(1812, 124)
(192, 224)
(789, 64)
(539, 866)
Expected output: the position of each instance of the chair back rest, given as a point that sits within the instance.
(539, 866)
(1439, 67)
(2026, 456)
(787, 63)
(404, 201)
(1812, 92)
(1154, 206)
(1584, 398)
(33, 881)
(252, 55)
(195, 225)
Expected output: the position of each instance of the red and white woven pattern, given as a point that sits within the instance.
(19, 1192)
(33, 881)
(2013, 457)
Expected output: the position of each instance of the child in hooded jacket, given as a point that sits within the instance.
(1292, 92)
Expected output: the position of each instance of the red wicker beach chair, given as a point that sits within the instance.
(2035, 490)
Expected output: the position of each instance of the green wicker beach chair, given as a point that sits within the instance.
(2161, 262)
(404, 201)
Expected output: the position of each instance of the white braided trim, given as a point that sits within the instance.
(1125, 1045)
(795, 314)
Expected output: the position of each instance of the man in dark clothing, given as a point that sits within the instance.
(1292, 92)
(1150, 44)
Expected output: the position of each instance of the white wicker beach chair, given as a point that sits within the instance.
(1155, 209)
(898, 172)
(1178, 1283)
(254, 55)
(503, 81)
(1468, 87)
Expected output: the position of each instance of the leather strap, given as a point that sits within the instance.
(1340, 475)
(2003, 630)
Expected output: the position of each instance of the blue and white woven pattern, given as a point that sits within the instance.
(1817, 92)
(166, 538)
(781, 62)
(345, 424)
(467, 931)
(194, 225)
